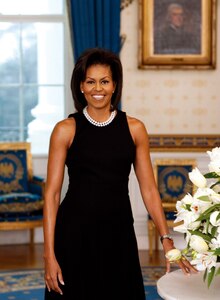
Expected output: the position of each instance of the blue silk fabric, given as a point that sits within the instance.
(20, 198)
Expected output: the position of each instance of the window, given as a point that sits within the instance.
(32, 37)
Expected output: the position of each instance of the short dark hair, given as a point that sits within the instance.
(91, 57)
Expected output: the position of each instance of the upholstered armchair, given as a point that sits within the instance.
(173, 183)
(21, 193)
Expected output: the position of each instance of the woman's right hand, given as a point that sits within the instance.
(53, 275)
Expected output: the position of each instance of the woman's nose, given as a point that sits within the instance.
(98, 86)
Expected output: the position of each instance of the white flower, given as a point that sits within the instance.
(188, 224)
(215, 243)
(182, 209)
(204, 260)
(214, 220)
(173, 255)
(214, 154)
(200, 206)
(198, 244)
(180, 228)
(188, 237)
(190, 218)
(203, 192)
(216, 189)
(214, 165)
(207, 228)
(208, 195)
(197, 178)
(215, 197)
(187, 199)
(194, 225)
(199, 215)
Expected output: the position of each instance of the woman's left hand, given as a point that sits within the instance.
(182, 262)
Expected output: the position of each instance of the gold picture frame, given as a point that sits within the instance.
(172, 180)
(188, 43)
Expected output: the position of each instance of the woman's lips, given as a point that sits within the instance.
(98, 97)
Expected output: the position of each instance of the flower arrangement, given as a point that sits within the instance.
(200, 216)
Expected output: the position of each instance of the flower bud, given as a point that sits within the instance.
(173, 255)
(197, 178)
(198, 244)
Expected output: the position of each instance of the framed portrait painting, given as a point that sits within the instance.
(172, 178)
(177, 34)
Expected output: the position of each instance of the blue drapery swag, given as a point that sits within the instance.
(94, 23)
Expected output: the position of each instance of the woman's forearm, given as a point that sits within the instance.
(50, 212)
(154, 207)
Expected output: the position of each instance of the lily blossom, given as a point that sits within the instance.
(204, 260)
(197, 178)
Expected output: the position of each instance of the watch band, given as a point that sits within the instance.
(166, 236)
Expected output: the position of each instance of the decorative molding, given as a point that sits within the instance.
(183, 143)
(125, 3)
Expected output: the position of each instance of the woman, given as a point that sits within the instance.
(90, 244)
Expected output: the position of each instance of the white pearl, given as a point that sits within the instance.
(96, 123)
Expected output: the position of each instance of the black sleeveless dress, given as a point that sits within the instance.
(95, 242)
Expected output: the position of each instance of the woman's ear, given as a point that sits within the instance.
(115, 84)
(81, 86)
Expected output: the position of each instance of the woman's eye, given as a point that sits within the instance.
(105, 82)
(89, 82)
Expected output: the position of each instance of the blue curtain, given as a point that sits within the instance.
(95, 23)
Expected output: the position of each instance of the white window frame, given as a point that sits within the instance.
(68, 57)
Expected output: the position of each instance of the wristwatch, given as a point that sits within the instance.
(166, 236)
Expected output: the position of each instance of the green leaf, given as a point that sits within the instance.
(207, 226)
(217, 272)
(210, 276)
(204, 198)
(204, 217)
(217, 252)
(188, 206)
(211, 175)
(185, 251)
(213, 231)
(207, 212)
(205, 274)
(218, 182)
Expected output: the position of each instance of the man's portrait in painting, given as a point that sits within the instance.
(177, 27)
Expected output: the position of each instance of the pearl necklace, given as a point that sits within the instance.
(96, 123)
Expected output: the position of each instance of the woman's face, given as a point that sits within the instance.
(98, 86)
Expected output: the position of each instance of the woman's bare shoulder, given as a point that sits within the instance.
(66, 123)
(135, 123)
(64, 131)
(137, 129)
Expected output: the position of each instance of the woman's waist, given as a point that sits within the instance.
(96, 209)
(98, 197)
(99, 185)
